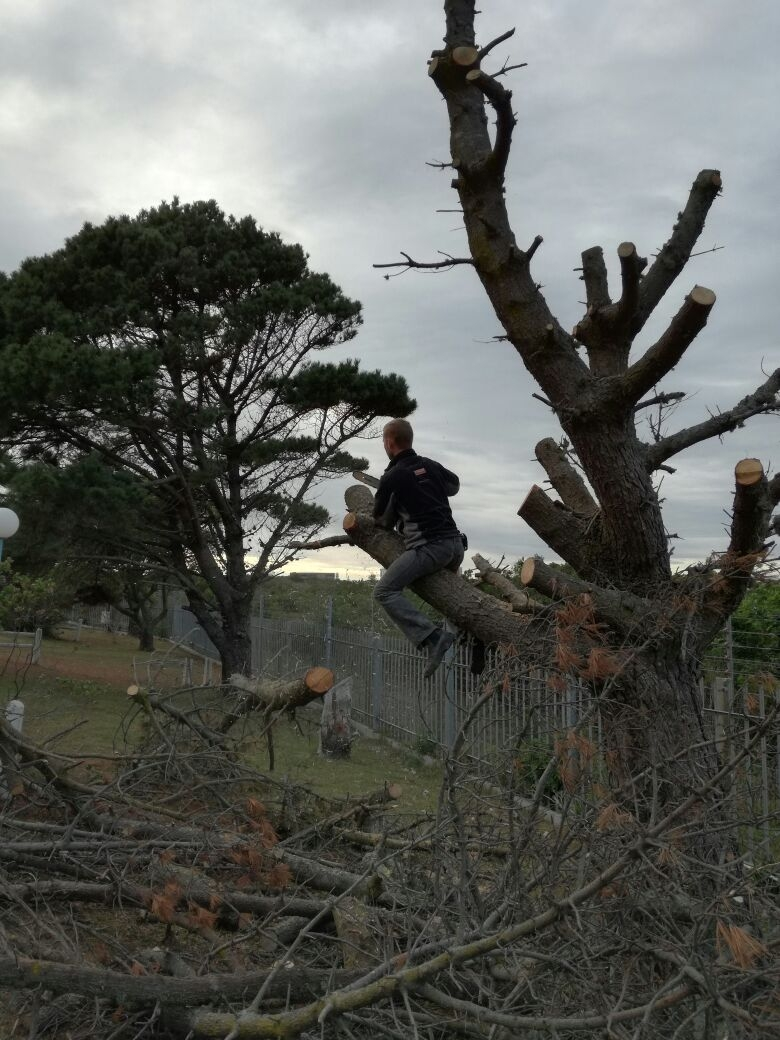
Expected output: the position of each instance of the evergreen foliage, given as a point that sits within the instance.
(179, 348)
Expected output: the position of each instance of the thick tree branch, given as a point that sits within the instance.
(565, 533)
(750, 518)
(594, 274)
(469, 609)
(279, 694)
(503, 268)
(751, 508)
(622, 610)
(565, 478)
(664, 355)
(631, 267)
(307, 983)
(675, 253)
(764, 399)
(520, 601)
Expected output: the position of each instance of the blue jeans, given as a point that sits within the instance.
(411, 565)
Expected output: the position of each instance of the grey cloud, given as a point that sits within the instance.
(318, 119)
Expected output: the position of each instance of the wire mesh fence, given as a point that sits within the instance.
(521, 721)
(518, 725)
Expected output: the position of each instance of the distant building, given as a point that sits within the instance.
(307, 575)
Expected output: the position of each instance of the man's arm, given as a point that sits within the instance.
(451, 481)
(385, 512)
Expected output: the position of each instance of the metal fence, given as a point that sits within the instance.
(391, 696)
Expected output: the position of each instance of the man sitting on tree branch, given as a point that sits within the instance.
(413, 497)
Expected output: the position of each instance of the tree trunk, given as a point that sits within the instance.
(229, 632)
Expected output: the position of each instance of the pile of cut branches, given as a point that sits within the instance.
(175, 892)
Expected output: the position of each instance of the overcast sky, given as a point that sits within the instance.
(318, 118)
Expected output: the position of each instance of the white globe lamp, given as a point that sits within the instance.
(9, 525)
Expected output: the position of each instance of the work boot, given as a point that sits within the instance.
(438, 649)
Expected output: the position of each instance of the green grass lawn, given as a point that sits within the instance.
(76, 701)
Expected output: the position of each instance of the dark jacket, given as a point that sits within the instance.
(412, 494)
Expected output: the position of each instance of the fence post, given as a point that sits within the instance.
(377, 681)
(328, 631)
(450, 693)
(764, 775)
(257, 637)
(14, 717)
(730, 660)
(35, 652)
(720, 703)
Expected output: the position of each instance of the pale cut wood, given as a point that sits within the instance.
(473, 75)
(433, 64)
(527, 570)
(465, 55)
(318, 679)
(626, 249)
(748, 472)
(702, 295)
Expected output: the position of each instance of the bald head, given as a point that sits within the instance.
(397, 436)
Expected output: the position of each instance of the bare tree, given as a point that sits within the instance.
(608, 523)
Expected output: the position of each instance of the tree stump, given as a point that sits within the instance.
(336, 734)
